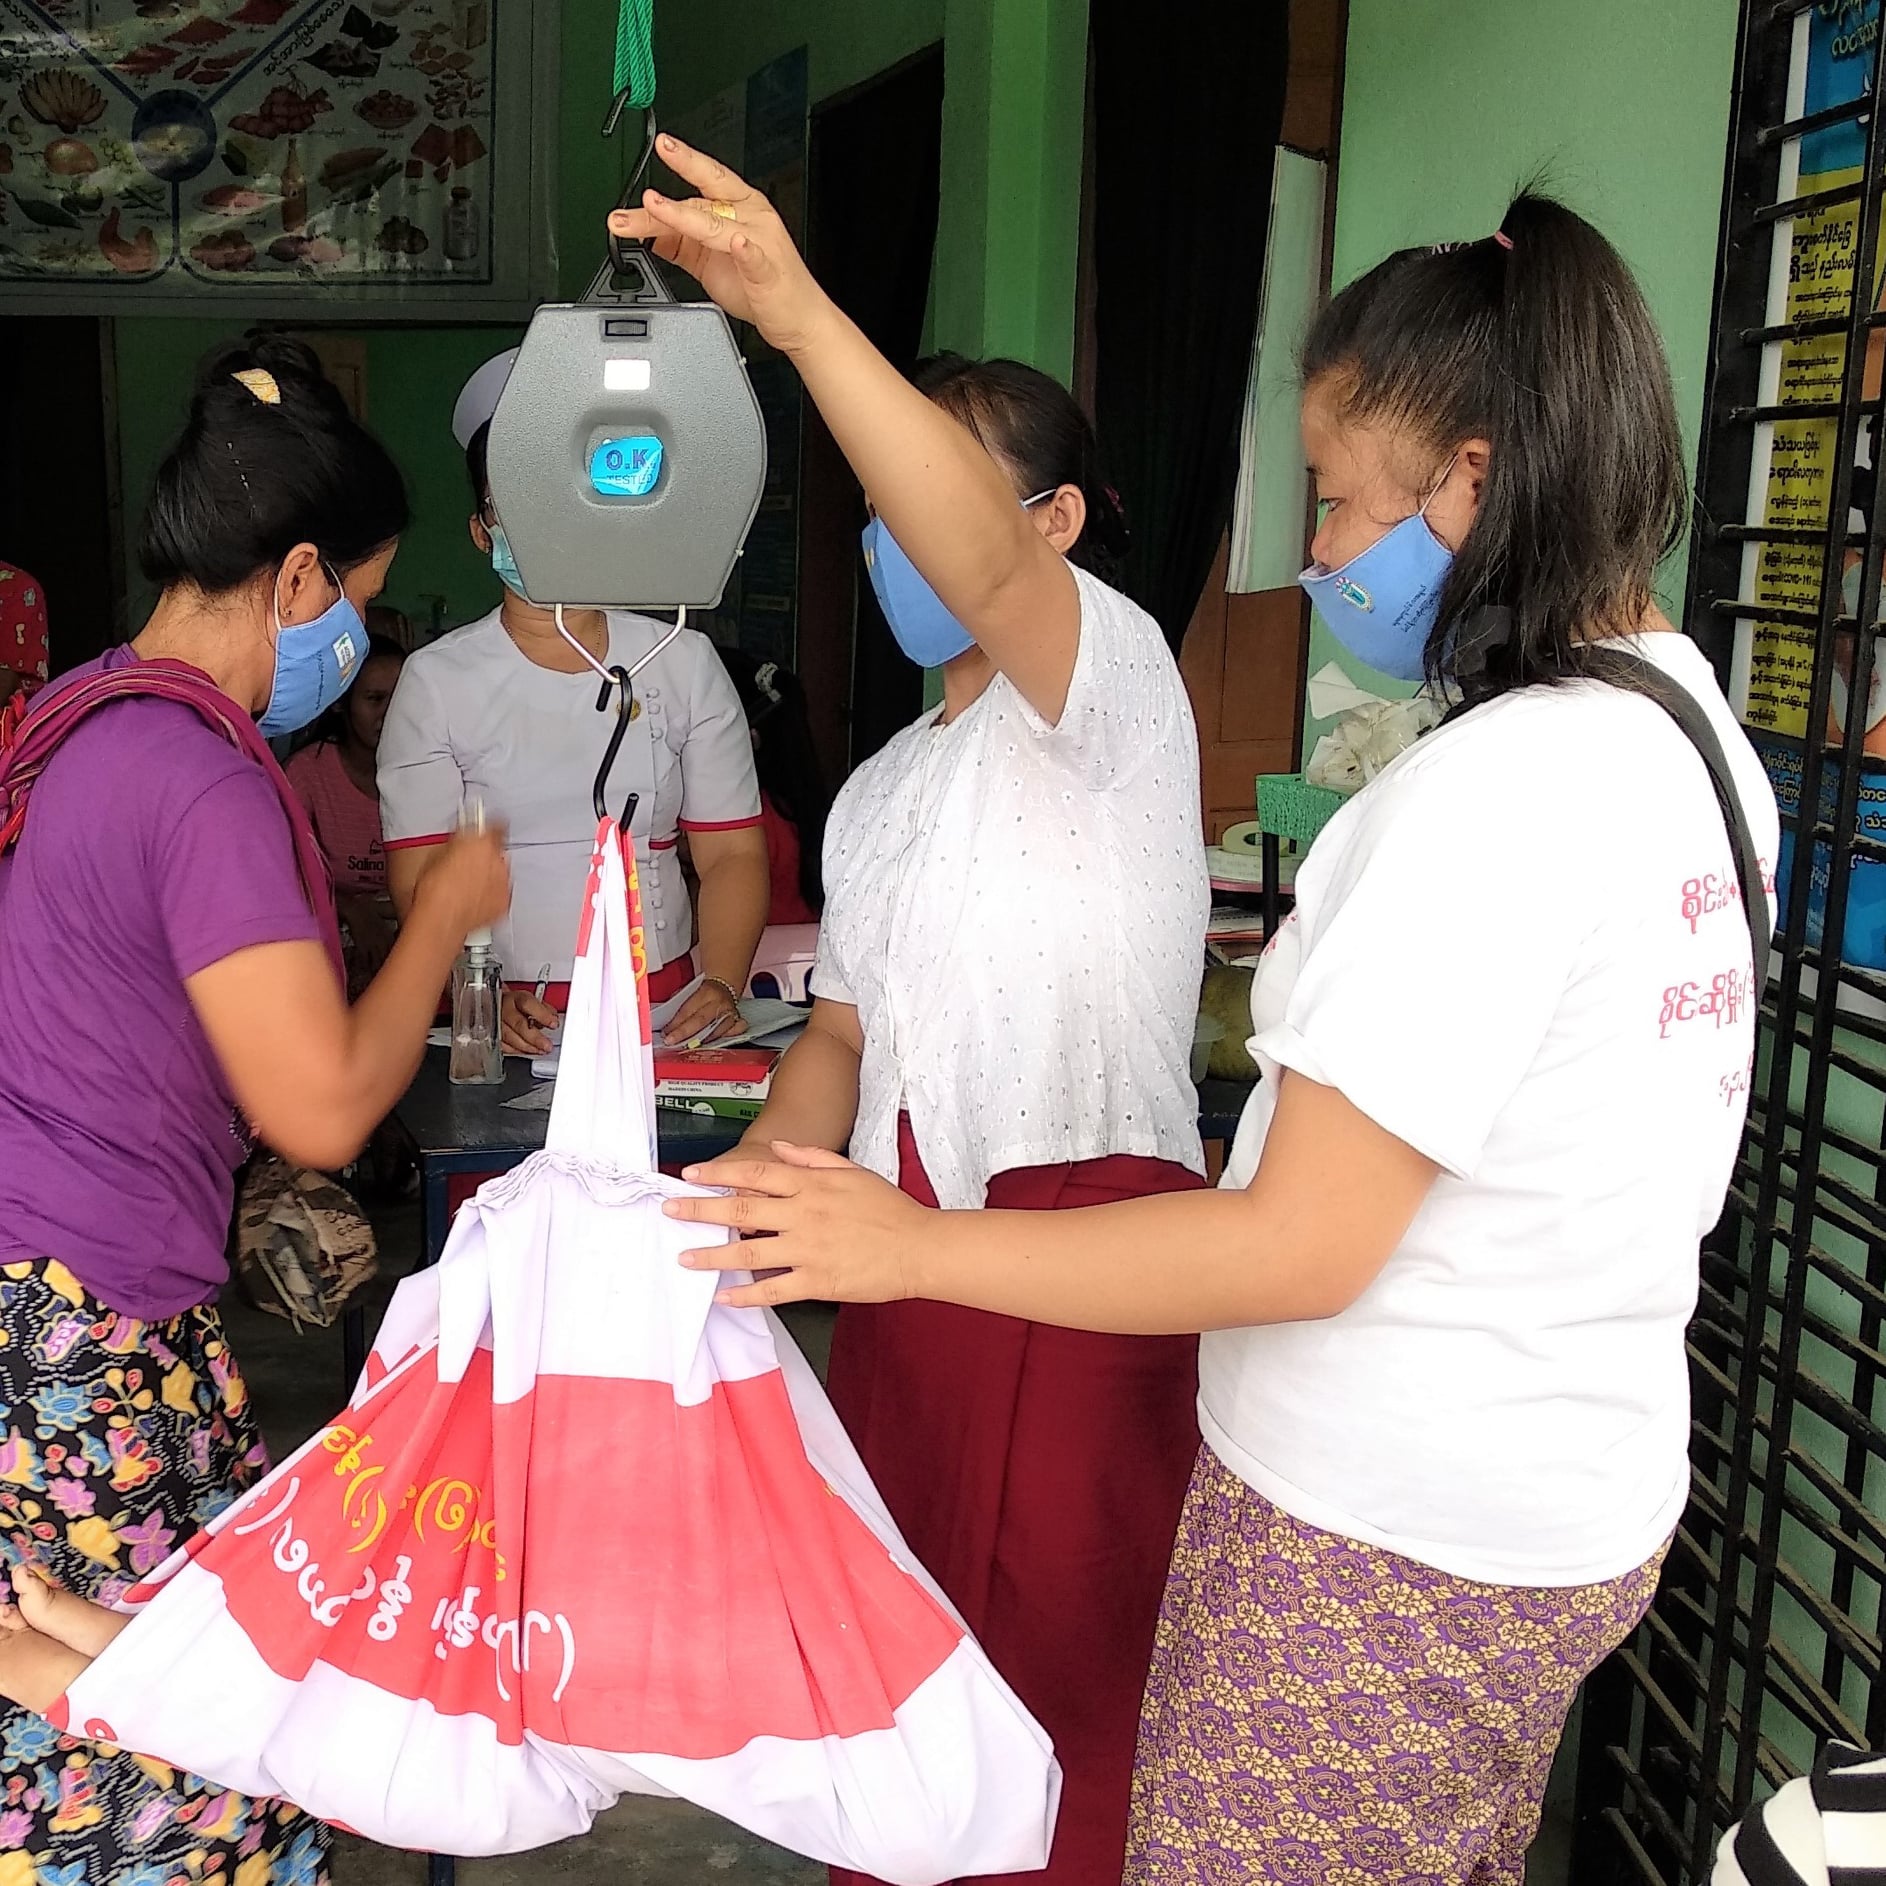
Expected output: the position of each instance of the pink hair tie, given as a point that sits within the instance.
(1503, 239)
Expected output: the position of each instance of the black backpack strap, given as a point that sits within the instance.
(1643, 676)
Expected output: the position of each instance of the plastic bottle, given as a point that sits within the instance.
(477, 1031)
(477, 1052)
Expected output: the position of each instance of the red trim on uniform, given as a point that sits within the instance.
(662, 844)
(411, 844)
(718, 825)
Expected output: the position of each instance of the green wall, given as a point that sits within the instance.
(1009, 225)
(1448, 105)
(703, 46)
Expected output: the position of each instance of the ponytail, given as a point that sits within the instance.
(1032, 424)
(1538, 340)
(269, 458)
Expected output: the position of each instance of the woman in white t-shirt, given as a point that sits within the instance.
(1006, 986)
(1506, 1041)
(503, 710)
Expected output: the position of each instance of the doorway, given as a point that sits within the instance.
(61, 518)
(871, 211)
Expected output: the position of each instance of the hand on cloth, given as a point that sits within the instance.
(839, 1234)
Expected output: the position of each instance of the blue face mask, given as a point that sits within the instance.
(503, 562)
(925, 630)
(315, 664)
(1383, 603)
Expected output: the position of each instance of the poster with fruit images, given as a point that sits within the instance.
(237, 146)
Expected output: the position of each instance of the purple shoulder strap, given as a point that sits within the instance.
(30, 733)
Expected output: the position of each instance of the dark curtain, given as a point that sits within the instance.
(872, 212)
(1188, 105)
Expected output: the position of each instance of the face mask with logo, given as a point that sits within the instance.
(925, 630)
(503, 563)
(1383, 603)
(315, 663)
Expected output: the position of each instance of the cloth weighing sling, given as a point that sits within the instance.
(582, 1532)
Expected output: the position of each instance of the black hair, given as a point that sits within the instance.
(477, 464)
(1034, 426)
(252, 476)
(1538, 340)
(333, 724)
(785, 758)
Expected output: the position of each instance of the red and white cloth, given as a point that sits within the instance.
(25, 639)
(582, 1532)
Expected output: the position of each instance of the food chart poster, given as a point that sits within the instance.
(235, 149)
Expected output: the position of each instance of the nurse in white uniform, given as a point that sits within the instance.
(503, 711)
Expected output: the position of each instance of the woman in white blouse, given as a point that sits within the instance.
(503, 710)
(1507, 1038)
(1006, 987)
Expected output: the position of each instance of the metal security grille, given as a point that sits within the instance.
(1766, 1638)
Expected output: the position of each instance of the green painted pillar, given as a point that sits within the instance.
(1008, 232)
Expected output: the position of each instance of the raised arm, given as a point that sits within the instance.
(940, 494)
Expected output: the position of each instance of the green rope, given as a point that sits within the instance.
(635, 52)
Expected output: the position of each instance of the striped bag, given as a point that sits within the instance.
(1823, 1829)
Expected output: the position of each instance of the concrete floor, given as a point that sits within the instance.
(297, 1384)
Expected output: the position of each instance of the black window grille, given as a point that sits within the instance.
(1768, 1636)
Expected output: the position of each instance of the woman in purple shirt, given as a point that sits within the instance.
(159, 924)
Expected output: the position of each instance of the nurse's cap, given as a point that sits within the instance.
(480, 397)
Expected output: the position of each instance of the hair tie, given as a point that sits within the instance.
(1502, 238)
(261, 383)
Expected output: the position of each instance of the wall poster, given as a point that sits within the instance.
(1812, 277)
(242, 152)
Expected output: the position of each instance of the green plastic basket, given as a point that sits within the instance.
(1288, 807)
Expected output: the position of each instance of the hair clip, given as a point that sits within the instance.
(763, 678)
(261, 383)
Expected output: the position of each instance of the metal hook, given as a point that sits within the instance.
(623, 687)
(620, 251)
(621, 682)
